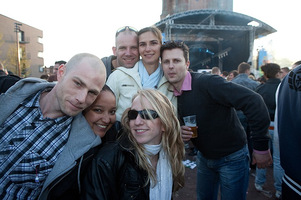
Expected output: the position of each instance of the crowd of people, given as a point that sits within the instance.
(113, 128)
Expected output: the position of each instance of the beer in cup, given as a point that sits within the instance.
(190, 121)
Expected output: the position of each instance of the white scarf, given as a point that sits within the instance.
(149, 81)
(163, 188)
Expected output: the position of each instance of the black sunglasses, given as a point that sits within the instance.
(144, 114)
(126, 28)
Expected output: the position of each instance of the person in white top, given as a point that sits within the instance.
(147, 72)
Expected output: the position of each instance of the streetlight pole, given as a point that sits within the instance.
(17, 30)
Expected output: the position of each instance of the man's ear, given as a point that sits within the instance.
(114, 50)
(61, 72)
(187, 64)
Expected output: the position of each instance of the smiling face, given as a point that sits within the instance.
(78, 88)
(126, 49)
(145, 131)
(149, 48)
(101, 114)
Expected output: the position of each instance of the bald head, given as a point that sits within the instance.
(87, 59)
(79, 83)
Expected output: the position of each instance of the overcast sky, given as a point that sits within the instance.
(72, 27)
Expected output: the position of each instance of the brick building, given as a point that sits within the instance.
(170, 7)
(30, 47)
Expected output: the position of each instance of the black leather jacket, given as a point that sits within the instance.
(115, 175)
(68, 186)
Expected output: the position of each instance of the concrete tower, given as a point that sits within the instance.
(171, 7)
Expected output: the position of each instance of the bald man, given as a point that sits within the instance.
(42, 130)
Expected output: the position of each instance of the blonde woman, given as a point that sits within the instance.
(146, 161)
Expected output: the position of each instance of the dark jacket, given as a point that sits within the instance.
(289, 126)
(267, 91)
(115, 175)
(214, 100)
(68, 186)
(7, 81)
(107, 61)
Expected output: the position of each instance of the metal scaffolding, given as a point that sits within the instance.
(228, 35)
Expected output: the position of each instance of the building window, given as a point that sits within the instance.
(21, 50)
(40, 54)
(40, 40)
(21, 36)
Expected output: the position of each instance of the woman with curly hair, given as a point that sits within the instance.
(146, 161)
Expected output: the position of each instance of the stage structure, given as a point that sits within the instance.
(215, 37)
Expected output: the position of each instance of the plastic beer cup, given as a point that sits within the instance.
(190, 121)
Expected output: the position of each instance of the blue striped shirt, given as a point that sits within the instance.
(29, 148)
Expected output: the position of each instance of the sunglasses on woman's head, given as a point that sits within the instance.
(144, 114)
